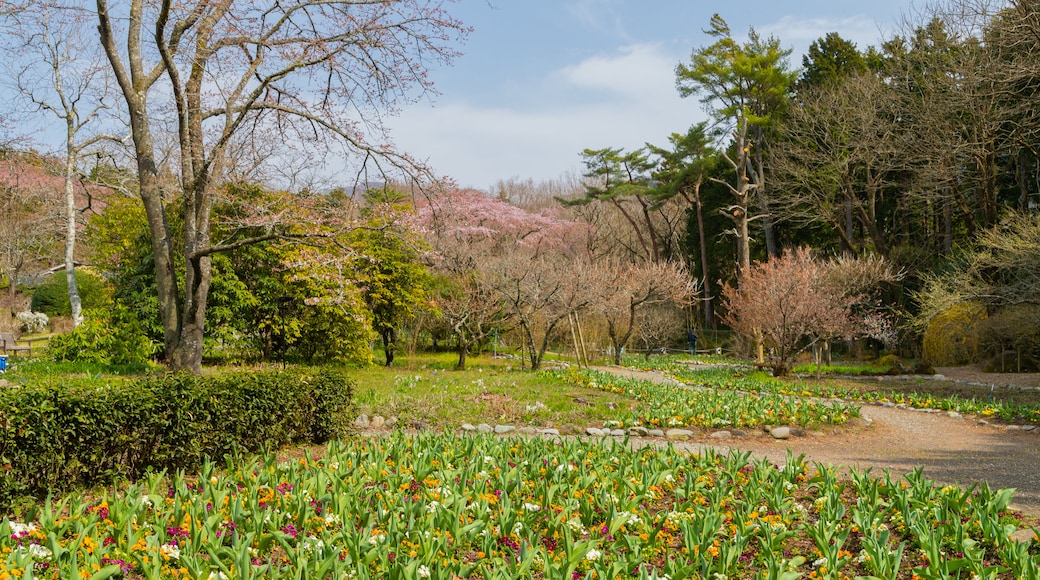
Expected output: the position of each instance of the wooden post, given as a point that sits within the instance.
(581, 340)
(574, 338)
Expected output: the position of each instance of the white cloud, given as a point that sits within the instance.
(634, 101)
(801, 32)
(638, 72)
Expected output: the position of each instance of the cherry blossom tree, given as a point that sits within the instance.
(503, 263)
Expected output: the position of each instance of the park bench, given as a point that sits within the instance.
(9, 345)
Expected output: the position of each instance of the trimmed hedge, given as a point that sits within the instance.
(59, 436)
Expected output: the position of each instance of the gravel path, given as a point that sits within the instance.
(950, 450)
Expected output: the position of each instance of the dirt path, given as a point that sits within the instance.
(950, 450)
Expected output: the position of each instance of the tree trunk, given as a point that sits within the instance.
(388, 345)
(463, 349)
(709, 309)
(75, 305)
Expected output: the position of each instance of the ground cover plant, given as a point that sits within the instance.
(425, 389)
(448, 506)
(669, 405)
(1012, 406)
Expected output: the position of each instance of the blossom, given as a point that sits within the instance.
(593, 555)
(171, 551)
(423, 572)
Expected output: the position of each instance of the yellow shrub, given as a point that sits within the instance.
(952, 336)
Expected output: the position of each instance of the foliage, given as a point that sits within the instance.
(52, 296)
(1015, 329)
(394, 283)
(711, 405)
(444, 506)
(726, 379)
(63, 433)
(112, 337)
(33, 322)
(952, 336)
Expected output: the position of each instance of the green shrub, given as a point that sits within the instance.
(55, 436)
(52, 296)
(952, 336)
(110, 338)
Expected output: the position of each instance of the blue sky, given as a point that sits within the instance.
(540, 80)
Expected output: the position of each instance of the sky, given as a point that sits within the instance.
(541, 80)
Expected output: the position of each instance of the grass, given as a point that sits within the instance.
(425, 389)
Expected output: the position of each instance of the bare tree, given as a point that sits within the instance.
(304, 71)
(626, 290)
(61, 73)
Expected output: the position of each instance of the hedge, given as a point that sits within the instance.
(60, 436)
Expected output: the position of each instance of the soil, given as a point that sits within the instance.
(950, 450)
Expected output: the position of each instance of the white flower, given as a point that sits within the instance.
(39, 552)
(518, 527)
(20, 528)
(332, 519)
(489, 459)
(171, 551)
(376, 539)
(432, 507)
(423, 572)
(217, 575)
(312, 544)
(593, 555)
(532, 507)
(820, 562)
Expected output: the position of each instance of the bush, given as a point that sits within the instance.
(112, 338)
(52, 296)
(57, 436)
(33, 322)
(952, 336)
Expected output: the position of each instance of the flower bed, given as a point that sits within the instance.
(677, 406)
(446, 506)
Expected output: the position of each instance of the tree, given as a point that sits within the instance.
(268, 57)
(830, 59)
(744, 86)
(394, 283)
(680, 172)
(626, 290)
(28, 211)
(795, 301)
(62, 74)
(502, 261)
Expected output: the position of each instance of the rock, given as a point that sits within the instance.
(983, 422)
(738, 433)
(594, 432)
(722, 435)
(503, 429)
(484, 428)
(797, 432)
(468, 427)
(419, 425)
(528, 430)
(362, 421)
(678, 434)
(638, 431)
(1028, 427)
(1012, 427)
(377, 422)
(656, 433)
(888, 404)
(953, 414)
(569, 430)
(582, 401)
(781, 433)
(617, 432)
(390, 423)
(548, 432)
